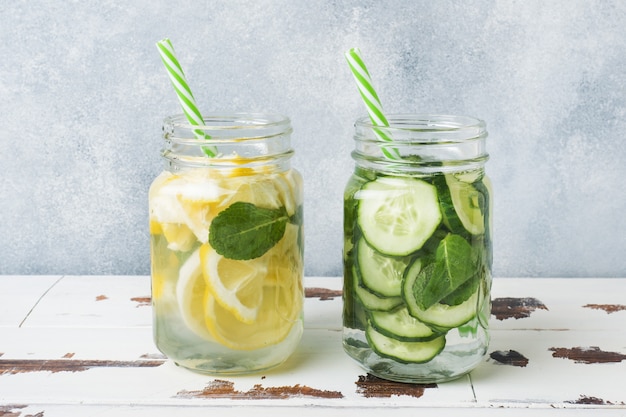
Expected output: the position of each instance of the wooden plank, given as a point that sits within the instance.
(558, 303)
(78, 354)
(200, 410)
(552, 368)
(20, 294)
(95, 301)
(97, 369)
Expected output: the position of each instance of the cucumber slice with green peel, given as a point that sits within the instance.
(486, 189)
(445, 316)
(371, 301)
(402, 351)
(398, 214)
(379, 273)
(400, 325)
(469, 205)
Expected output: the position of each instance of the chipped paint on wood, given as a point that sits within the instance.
(101, 297)
(142, 301)
(518, 308)
(19, 366)
(589, 400)
(608, 308)
(587, 355)
(509, 357)
(153, 356)
(226, 389)
(323, 293)
(10, 411)
(371, 386)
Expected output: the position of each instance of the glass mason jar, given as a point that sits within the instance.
(226, 241)
(417, 248)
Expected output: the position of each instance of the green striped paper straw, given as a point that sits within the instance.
(369, 96)
(185, 97)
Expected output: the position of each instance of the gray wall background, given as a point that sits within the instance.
(83, 93)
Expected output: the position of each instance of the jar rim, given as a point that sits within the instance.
(231, 121)
(426, 127)
(423, 143)
(228, 138)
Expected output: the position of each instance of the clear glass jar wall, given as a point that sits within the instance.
(418, 248)
(226, 240)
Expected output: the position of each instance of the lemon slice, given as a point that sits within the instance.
(200, 200)
(254, 304)
(285, 194)
(155, 227)
(253, 189)
(188, 202)
(179, 236)
(236, 285)
(290, 196)
(288, 296)
(285, 259)
(276, 318)
(197, 216)
(191, 200)
(285, 273)
(191, 293)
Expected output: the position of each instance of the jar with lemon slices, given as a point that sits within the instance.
(417, 248)
(226, 241)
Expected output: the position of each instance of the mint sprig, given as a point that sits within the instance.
(454, 267)
(244, 231)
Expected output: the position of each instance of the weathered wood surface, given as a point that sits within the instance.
(82, 345)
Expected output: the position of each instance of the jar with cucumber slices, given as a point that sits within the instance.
(417, 248)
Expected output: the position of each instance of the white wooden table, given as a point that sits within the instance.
(82, 346)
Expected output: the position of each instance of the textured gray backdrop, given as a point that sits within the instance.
(83, 93)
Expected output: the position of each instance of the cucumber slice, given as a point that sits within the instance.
(400, 325)
(398, 214)
(381, 274)
(469, 204)
(445, 316)
(402, 351)
(371, 301)
(486, 189)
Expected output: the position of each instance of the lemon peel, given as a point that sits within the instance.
(190, 295)
(235, 284)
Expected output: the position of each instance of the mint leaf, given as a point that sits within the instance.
(244, 231)
(423, 278)
(464, 292)
(455, 264)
